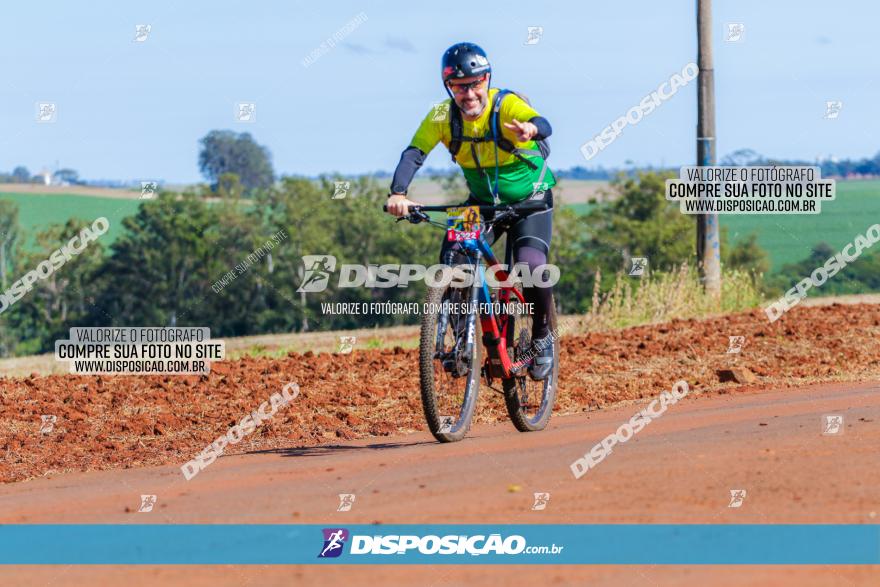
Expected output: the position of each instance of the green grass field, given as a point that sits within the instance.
(37, 211)
(787, 238)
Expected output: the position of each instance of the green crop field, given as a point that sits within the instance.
(37, 211)
(788, 238)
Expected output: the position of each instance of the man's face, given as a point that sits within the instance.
(471, 94)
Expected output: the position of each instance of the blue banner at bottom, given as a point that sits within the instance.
(262, 544)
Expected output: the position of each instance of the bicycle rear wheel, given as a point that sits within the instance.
(449, 373)
(529, 403)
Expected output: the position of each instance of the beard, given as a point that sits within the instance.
(472, 108)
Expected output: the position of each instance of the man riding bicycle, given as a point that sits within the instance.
(498, 139)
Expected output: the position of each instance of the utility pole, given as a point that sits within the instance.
(708, 241)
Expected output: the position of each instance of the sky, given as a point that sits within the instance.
(136, 110)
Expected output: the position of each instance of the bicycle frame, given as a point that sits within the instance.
(495, 327)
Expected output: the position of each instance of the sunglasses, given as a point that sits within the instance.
(463, 88)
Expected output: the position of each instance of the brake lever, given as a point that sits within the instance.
(414, 217)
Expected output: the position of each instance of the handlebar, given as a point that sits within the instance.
(525, 206)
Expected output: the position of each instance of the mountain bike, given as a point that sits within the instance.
(449, 352)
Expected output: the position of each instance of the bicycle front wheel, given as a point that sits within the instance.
(449, 363)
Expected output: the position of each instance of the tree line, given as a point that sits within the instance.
(164, 268)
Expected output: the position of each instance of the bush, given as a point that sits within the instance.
(663, 296)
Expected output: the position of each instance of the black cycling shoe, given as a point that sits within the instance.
(542, 363)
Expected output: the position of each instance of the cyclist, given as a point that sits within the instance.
(506, 166)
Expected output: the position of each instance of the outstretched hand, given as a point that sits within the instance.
(524, 130)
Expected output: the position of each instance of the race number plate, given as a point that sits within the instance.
(463, 223)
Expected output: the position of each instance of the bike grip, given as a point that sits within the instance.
(529, 205)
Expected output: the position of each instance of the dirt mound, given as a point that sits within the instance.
(129, 421)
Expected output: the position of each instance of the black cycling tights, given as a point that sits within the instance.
(540, 297)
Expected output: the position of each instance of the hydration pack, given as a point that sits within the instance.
(492, 135)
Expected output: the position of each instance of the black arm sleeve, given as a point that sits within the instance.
(544, 129)
(410, 161)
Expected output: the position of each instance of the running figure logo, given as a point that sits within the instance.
(141, 32)
(737, 496)
(535, 33)
(48, 423)
(346, 500)
(832, 424)
(47, 112)
(346, 344)
(735, 32)
(147, 503)
(317, 272)
(735, 344)
(246, 112)
(446, 424)
(334, 540)
(148, 189)
(440, 112)
(340, 189)
(541, 500)
(638, 266)
(832, 109)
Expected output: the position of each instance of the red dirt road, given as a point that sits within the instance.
(134, 421)
(679, 469)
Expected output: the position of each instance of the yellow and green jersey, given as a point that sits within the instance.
(516, 180)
